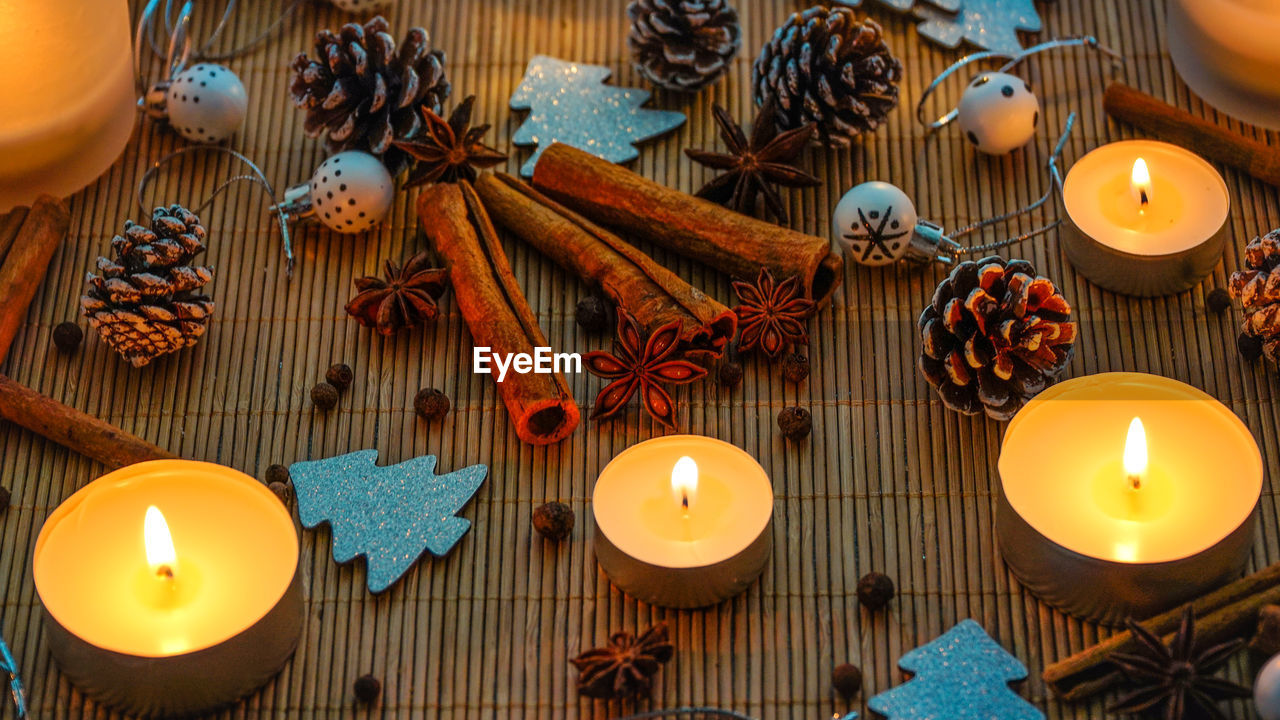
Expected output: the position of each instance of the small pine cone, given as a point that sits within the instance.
(824, 66)
(683, 45)
(1257, 287)
(144, 303)
(360, 92)
(994, 336)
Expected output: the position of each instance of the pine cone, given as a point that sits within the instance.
(995, 335)
(361, 94)
(1258, 289)
(144, 304)
(683, 44)
(824, 66)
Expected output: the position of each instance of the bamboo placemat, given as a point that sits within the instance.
(889, 480)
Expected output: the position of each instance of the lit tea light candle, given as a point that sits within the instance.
(1124, 494)
(683, 521)
(1144, 217)
(184, 573)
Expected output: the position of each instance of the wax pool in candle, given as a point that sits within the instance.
(234, 549)
(1063, 468)
(1188, 198)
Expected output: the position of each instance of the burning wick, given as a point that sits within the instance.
(159, 543)
(684, 482)
(1135, 453)
(1140, 184)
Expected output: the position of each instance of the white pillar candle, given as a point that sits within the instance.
(67, 93)
(181, 572)
(683, 520)
(1226, 51)
(1123, 494)
(1144, 217)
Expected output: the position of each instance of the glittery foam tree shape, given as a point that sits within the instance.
(963, 675)
(990, 24)
(388, 514)
(569, 103)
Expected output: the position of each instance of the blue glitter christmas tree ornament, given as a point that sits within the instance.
(989, 24)
(390, 515)
(963, 675)
(569, 103)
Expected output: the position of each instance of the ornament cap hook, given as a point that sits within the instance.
(930, 243)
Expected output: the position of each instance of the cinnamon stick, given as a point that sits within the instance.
(495, 309)
(73, 429)
(27, 262)
(650, 293)
(1180, 127)
(1228, 612)
(616, 197)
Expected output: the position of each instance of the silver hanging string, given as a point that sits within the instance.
(179, 44)
(947, 118)
(1055, 187)
(256, 176)
(9, 667)
(172, 24)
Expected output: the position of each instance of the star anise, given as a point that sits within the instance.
(449, 151)
(639, 364)
(1178, 679)
(754, 167)
(626, 666)
(772, 314)
(406, 298)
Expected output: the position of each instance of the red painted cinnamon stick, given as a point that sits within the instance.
(650, 293)
(496, 310)
(640, 208)
(73, 429)
(27, 262)
(1180, 127)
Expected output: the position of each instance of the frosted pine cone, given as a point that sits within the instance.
(824, 66)
(360, 92)
(1257, 287)
(683, 45)
(145, 302)
(994, 336)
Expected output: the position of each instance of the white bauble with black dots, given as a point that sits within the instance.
(998, 112)
(351, 191)
(1266, 690)
(359, 5)
(874, 222)
(206, 103)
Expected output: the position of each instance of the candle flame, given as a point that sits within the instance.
(159, 543)
(1140, 184)
(684, 482)
(1135, 453)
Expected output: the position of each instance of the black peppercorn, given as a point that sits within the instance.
(5, 497)
(282, 491)
(847, 680)
(340, 376)
(324, 395)
(1218, 300)
(67, 337)
(1250, 346)
(795, 423)
(730, 374)
(430, 404)
(553, 520)
(795, 367)
(592, 314)
(367, 688)
(875, 590)
(277, 473)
